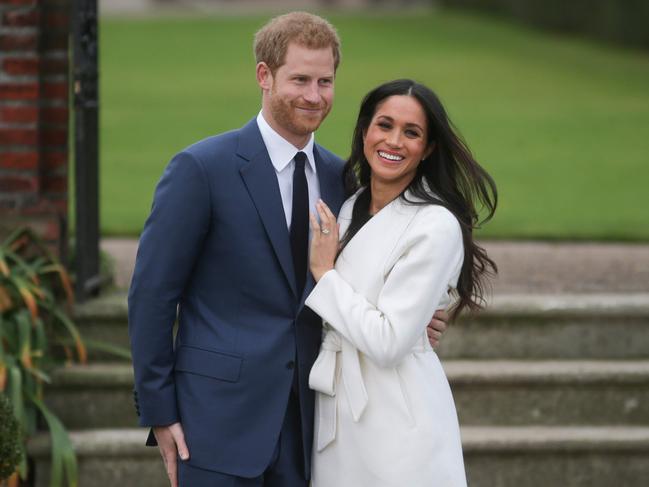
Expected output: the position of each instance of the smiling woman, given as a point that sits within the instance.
(385, 413)
(394, 144)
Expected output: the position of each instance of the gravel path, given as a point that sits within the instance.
(524, 267)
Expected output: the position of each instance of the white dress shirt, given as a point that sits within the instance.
(282, 154)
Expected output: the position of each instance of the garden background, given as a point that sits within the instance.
(561, 122)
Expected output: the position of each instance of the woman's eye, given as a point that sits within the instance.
(384, 125)
(412, 133)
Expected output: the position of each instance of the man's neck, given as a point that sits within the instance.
(299, 141)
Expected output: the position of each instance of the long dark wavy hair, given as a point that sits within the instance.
(455, 180)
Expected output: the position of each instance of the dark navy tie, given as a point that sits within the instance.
(300, 222)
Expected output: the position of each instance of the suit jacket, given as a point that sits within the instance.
(215, 255)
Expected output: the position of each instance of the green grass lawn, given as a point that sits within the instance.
(562, 124)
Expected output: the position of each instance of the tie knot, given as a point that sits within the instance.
(300, 159)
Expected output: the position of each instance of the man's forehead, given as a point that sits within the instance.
(297, 54)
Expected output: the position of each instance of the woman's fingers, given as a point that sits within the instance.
(327, 211)
(327, 218)
(315, 226)
(324, 218)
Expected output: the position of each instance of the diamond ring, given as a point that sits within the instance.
(325, 231)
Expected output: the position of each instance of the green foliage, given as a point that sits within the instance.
(561, 123)
(33, 323)
(622, 21)
(11, 449)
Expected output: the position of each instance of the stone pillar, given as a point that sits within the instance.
(34, 94)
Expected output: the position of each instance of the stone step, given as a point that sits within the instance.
(494, 457)
(485, 392)
(106, 457)
(104, 320)
(556, 456)
(99, 395)
(594, 326)
(550, 392)
(604, 326)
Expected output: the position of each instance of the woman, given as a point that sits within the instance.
(384, 413)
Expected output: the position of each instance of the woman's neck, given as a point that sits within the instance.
(383, 193)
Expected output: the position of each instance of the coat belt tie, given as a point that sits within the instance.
(323, 379)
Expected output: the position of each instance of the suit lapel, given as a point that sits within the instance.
(331, 192)
(261, 182)
(331, 188)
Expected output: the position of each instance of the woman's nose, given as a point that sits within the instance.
(394, 138)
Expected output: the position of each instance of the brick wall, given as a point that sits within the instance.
(34, 37)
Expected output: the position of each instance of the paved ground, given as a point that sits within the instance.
(525, 267)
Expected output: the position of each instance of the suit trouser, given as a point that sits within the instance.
(286, 468)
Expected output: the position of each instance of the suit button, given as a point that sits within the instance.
(290, 365)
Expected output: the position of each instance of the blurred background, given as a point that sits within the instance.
(552, 97)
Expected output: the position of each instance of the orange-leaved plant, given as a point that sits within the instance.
(36, 298)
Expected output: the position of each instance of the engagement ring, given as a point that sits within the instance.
(326, 231)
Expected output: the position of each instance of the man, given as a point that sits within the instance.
(225, 251)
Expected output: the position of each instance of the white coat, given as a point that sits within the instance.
(385, 416)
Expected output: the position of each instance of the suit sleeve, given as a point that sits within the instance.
(169, 247)
(425, 262)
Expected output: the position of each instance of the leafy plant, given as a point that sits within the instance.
(35, 296)
(10, 446)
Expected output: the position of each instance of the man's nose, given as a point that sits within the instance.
(312, 93)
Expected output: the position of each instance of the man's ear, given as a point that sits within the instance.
(264, 76)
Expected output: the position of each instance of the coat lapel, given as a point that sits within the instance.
(261, 181)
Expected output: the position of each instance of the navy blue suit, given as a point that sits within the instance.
(215, 254)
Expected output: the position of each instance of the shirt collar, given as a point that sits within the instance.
(280, 150)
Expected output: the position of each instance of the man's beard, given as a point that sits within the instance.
(287, 116)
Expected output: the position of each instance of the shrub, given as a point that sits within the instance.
(33, 324)
(10, 439)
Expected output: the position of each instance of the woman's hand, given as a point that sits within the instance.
(324, 241)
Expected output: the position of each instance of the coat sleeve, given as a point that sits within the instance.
(169, 247)
(423, 266)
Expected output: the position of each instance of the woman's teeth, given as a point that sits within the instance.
(390, 157)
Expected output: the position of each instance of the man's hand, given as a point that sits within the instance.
(437, 327)
(171, 441)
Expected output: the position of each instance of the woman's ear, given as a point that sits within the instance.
(430, 149)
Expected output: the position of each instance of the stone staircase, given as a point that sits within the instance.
(551, 391)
